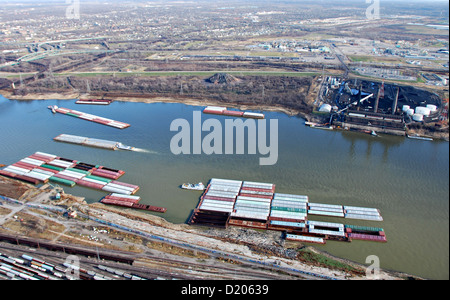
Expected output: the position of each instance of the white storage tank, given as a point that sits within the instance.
(410, 112)
(423, 111)
(432, 107)
(325, 108)
(406, 108)
(418, 117)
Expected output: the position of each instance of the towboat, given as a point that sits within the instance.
(193, 187)
(53, 108)
(125, 147)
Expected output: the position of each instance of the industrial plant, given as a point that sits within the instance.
(370, 106)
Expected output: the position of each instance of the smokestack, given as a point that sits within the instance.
(360, 97)
(382, 91)
(394, 105)
(377, 102)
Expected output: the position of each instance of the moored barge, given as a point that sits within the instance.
(89, 117)
(130, 202)
(223, 111)
(43, 167)
(94, 101)
(256, 205)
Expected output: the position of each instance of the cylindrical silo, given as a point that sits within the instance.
(418, 117)
(423, 111)
(432, 107)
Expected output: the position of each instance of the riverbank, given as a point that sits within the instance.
(240, 244)
(149, 99)
(309, 117)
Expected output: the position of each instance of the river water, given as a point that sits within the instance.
(408, 180)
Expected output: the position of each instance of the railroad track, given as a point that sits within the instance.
(124, 257)
(86, 264)
(148, 266)
(207, 269)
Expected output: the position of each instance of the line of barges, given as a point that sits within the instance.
(43, 167)
(89, 117)
(92, 142)
(223, 111)
(256, 205)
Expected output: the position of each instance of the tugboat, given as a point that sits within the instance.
(193, 187)
(53, 108)
(125, 147)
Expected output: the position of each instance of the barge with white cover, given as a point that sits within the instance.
(41, 168)
(223, 111)
(88, 117)
(92, 142)
(256, 205)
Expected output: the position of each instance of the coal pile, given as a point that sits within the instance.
(222, 78)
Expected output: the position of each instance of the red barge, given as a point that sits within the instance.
(256, 205)
(94, 101)
(130, 202)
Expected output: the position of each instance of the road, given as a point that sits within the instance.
(341, 58)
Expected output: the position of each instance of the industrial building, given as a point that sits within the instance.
(378, 105)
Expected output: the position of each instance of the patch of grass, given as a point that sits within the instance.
(356, 58)
(322, 260)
